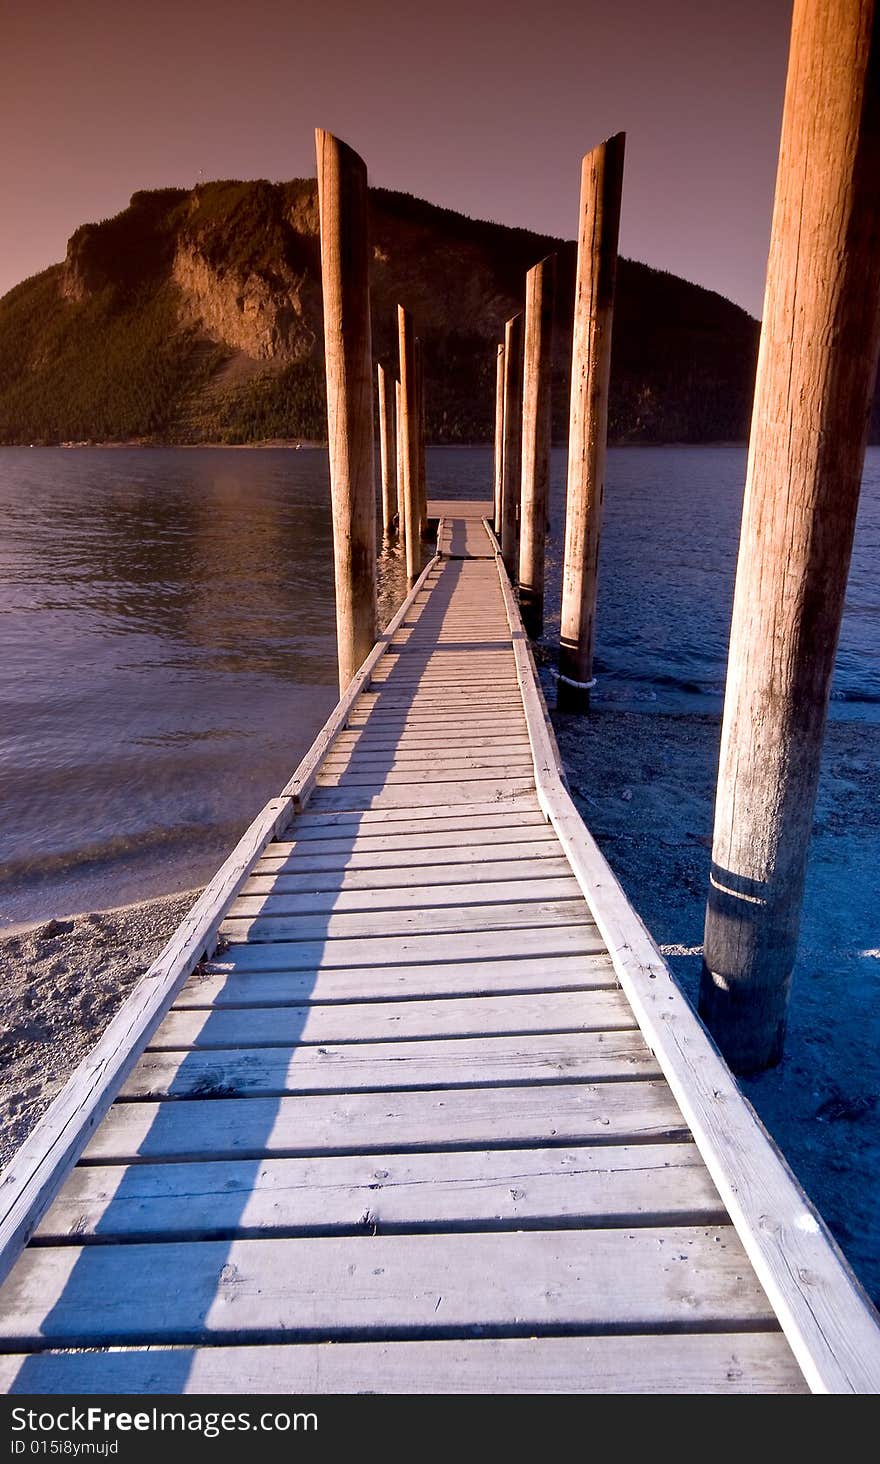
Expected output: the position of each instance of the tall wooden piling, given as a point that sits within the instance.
(342, 204)
(387, 452)
(401, 515)
(537, 382)
(512, 453)
(409, 442)
(816, 371)
(499, 434)
(420, 438)
(601, 187)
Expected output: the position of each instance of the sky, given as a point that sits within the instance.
(482, 107)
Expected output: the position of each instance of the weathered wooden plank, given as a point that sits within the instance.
(385, 758)
(413, 796)
(548, 941)
(459, 508)
(445, 698)
(463, 874)
(399, 706)
(474, 652)
(406, 860)
(237, 1072)
(397, 983)
(374, 1021)
(458, 679)
(423, 896)
(508, 815)
(680, 1277)
(357, 924)
(531, 835)
(366, 1123)
(500, 1189)
(712, 1363)
(444, 729)
(415, 747)
(472, 659)
(444, 771)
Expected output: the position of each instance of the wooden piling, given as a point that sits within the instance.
(342, 204)
(409, 442)
(499, 434)
(601, 187)
(537, 382)
(512, 453)
(387, 453)
(816, 370)
(401, 517)
(420, 438)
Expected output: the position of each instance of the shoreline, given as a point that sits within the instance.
(63, 981)
(645, 786)
(311, 443)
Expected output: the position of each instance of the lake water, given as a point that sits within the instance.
(167, 638)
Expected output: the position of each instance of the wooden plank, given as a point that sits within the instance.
(390, 756)
(505, 818)
(829, 1322)
(343, 878)
(431, 677)
(434, 663)
(397, 983)
(404, 854)
(356, 925)
(239, 1072)
(456, 679)
(399, 776)
(412, 796)
(441, 729)
(415, 747)
(31, 1179)
(446, 697)
(421, 897)
(474, 655)
(501, 1189)
(459, 508)
(375, 1021)
(548, 941)
(367, 1123)
(675, 1278)
(406, 710)
(710, 1363)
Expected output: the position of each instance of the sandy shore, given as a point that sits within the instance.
(644, 783)
(62, 981)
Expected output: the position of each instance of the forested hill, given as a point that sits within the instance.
(196, 317)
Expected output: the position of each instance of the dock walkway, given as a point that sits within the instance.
(405, 1130)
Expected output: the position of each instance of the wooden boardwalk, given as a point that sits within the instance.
(404, 1131)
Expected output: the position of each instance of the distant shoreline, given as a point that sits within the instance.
(297, 443)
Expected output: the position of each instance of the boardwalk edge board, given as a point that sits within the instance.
(34, 1175)
(827, 1317)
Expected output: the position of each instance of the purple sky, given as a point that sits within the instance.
(486, 108)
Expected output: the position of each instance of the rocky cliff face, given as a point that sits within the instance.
(264, 318)
(208, 305)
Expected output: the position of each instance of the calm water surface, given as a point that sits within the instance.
(167, 638)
